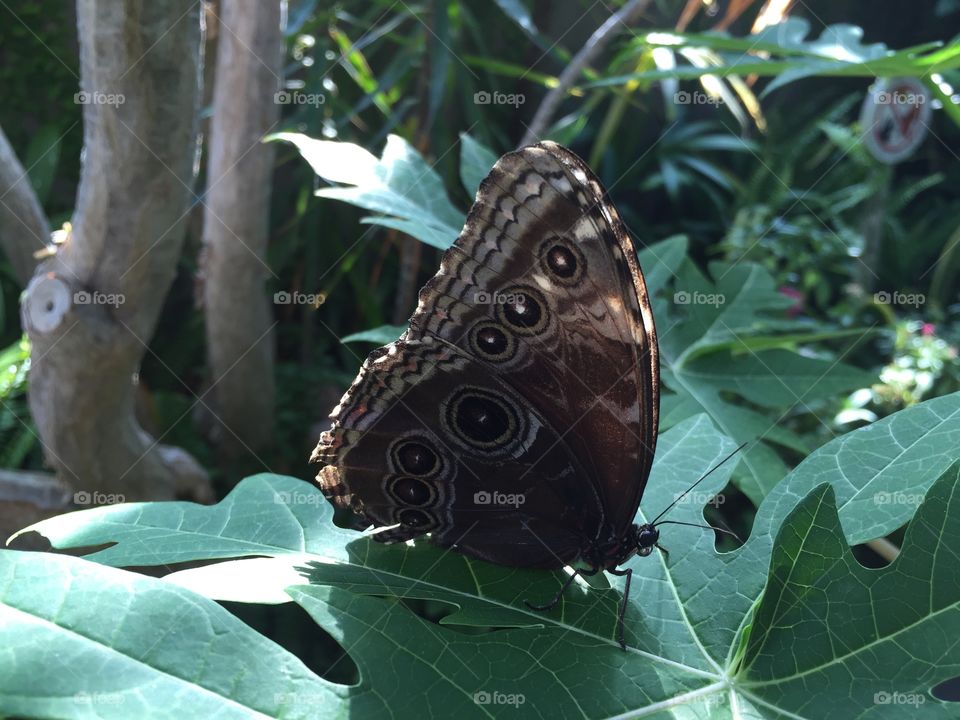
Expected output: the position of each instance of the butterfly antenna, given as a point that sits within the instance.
(690, 489)
(731, 533)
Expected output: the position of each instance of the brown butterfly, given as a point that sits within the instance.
(516, 418)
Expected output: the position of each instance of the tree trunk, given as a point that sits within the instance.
(91, 309)
(24, 228)
(236, 223)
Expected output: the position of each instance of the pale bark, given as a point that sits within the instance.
(23, 226)
(236, 223)
(128, 228)
(26, 498)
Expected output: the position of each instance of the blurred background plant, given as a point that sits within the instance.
(758, 165)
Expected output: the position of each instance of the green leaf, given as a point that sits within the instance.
(270, 516)
(400, 185)
(862, 637)
(82, 640)
(383, 335)
(699, 634)
(784, 51)
(899, 456)
(475, 162)
(264, 515)
(438, 237)
(661, 260)
(723, 339)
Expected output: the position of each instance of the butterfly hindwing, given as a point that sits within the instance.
(430, 440)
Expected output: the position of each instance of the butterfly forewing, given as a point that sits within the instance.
(541, 304)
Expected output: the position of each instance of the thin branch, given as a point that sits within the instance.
(599, 40)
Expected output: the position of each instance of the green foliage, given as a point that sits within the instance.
(790, 201)
(923, 365)
(782, 51)
(407, 193)
(693, 641)
(18, 438)
(160, 652)
(39, 115)
(729, 351)
(852, 621)
(718, 339)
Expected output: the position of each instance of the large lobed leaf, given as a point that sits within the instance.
(700, 640)
(827, 626)
(727, 337)
(82, 640)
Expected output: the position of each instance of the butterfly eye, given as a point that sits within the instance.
(525, 310)
(562, 260)
(493, 343)
(411, 491)
(414, 518)
(481, 420)
(647, 537)
(415, 458)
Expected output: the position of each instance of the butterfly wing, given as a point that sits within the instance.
(543, 286)
(429, 440)
(539, 319)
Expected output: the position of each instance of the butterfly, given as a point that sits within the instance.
(516, 419)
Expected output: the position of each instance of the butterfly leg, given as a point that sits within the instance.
(567, 583)
(623, 604)
(662, 549)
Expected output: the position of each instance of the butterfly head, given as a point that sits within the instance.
(645, 538)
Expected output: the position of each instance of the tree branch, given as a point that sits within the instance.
(591, 49)
(236, 222)
(91, 309)
(23, 226)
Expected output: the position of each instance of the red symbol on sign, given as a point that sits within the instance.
(895, 118)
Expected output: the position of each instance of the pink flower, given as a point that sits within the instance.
(796, 296)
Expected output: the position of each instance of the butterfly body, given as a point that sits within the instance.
(515, 420)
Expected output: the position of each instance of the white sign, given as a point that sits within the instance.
(895, 118)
